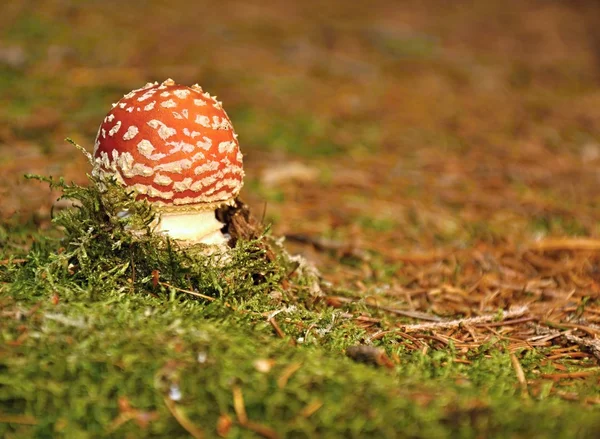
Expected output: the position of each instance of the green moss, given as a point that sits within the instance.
(99, 318)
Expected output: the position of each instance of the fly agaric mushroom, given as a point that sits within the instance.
(175, 147)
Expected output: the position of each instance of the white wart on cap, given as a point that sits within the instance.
(176, 147)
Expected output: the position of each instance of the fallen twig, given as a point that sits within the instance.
(593, 345)
(517, 312)
(401, 312)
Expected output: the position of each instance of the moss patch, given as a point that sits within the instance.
(109, 330)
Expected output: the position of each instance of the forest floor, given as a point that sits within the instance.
(438, 166)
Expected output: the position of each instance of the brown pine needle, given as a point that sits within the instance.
(193, 293)
(183, 420)
(287, 374)
(238, 405)
(240, 411)
(507, 322)
(563, 325)
(567, 244)
(17, 419)
(276, 327)
(582, 374)
(311, 408)
(12, 261)
(261, 430)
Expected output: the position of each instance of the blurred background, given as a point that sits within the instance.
(380, 126)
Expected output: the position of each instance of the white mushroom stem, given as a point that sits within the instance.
(192, 227)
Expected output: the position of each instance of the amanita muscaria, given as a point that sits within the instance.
(175, 146)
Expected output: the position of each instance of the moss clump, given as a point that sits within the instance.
(108, 245)
(110, 331)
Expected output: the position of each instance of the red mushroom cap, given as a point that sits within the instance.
(174, 145)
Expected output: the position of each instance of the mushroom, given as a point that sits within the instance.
(175, 147)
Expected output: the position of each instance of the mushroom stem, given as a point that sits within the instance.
(193, 228)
